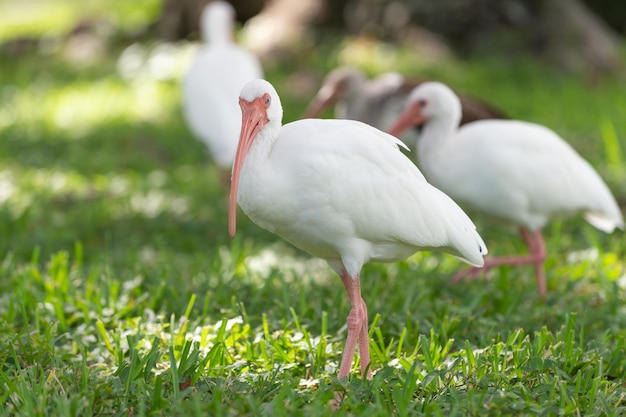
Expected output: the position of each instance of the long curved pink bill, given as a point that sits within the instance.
(411, 116)
(325, 98)
(249, 129)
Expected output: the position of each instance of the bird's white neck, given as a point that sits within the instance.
(217, 32)
(436, 135)
(257, 173)
(353, 101)
(355, 88)
(263, 143)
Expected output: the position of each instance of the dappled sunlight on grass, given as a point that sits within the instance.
(374, 56)
(160, 61)
(280, 257)
(56, 186)
(117, 335)
(33, 18)
(44, 17)
(78, 109)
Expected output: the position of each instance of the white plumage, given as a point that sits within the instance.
(515, 171)
(527, 175)
(212, 84)
(342, 191)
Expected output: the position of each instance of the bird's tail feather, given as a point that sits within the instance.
(604, 222)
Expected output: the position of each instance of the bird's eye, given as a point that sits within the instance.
(421, 103)
(267, 101)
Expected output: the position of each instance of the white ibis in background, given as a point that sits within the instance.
(212, 84)
(515, 171)
(379, 101)
(342, 191)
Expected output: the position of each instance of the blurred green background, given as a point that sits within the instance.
(93, 143)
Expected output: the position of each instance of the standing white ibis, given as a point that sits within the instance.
(515, 171)
(211, 86)
(342, 191)
(379, 101)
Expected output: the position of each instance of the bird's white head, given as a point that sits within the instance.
(339, 83)
(256, 92)
(216, 22)
(260, 107)
(428, 101)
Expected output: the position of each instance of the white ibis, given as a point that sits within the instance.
(211, 86)
(342, 191)
(515, 171)
(379, 101)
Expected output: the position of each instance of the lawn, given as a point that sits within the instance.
(122, 294)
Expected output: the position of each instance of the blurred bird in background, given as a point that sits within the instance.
(379, 101)
(212, 84)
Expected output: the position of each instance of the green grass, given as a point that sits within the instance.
(35, 18)
(121, 293)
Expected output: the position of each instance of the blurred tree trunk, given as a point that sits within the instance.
(180, 18)
(283, 26)
(564, 32)
(613, 12)
(578, 40)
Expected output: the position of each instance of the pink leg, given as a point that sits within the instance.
(364, 347)
(536, 257)
(539, 251)
(357, 328)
